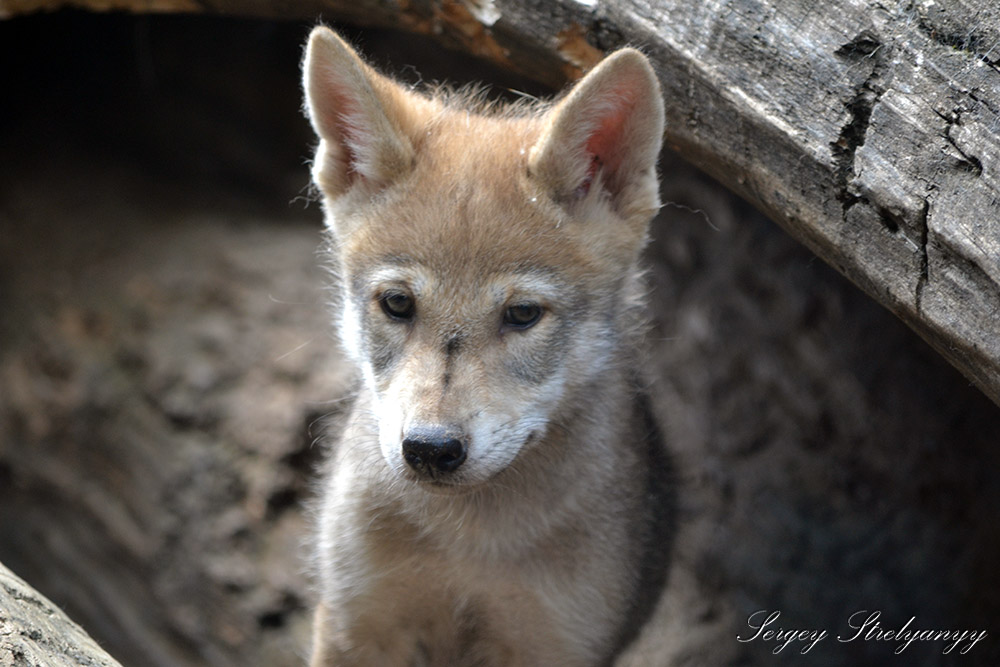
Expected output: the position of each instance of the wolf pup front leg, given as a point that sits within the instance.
(495, 497)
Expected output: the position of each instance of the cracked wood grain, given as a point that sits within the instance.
(869, 131)
(33, 631)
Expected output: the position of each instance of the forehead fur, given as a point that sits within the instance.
(470, 206)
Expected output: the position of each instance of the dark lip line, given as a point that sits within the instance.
(435, 485)
(438, 487)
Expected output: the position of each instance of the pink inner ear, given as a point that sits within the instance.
(605, 144)
(347, 121)
(345, 126)
(592, 169)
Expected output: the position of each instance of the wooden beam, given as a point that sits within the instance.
(33, 631)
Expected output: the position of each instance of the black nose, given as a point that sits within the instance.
(431, 451)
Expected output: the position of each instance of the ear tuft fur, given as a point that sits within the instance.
(607, 131)
(357, 115)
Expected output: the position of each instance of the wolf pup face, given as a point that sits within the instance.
(473, 246)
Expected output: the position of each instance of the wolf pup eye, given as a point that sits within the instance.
(397, 305)
(522, 315)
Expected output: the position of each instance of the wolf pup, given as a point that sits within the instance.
(497, 496)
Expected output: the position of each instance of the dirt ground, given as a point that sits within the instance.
(168, 371)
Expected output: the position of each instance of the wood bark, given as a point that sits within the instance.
(869, 131)
(33, 631)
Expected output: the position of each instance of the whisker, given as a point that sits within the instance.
(294, 350)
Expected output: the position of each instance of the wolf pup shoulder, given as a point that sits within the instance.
(498, 494)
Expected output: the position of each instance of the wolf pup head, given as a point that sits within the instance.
(486, 256)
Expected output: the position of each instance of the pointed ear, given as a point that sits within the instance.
(605, 134)
(359, 115)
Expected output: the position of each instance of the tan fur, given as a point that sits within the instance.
(531, 552)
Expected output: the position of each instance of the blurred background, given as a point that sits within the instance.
(168, 371)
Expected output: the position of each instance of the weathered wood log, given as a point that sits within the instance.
(33, 631)
(869, 131)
